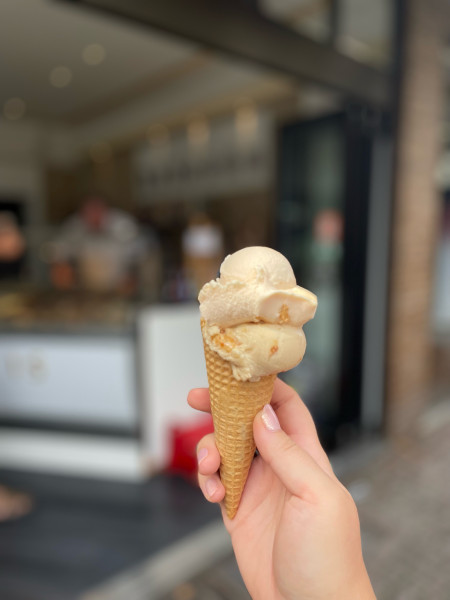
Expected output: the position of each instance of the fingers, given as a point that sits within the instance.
(295, 467)
(211, 487)
(198, 398)
(208, 456)
(295, 452)
(208, 466)
(297, 422)
(291, 410)
(294, 417)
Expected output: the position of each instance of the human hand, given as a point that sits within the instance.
(296, 533)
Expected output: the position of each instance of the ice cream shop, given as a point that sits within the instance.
(140, 145)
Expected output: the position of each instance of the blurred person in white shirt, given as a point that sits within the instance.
(98, 249)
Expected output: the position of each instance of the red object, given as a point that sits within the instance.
(184, 440)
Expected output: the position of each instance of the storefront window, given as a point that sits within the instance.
(365, 31)
(360, 29)
(311, 18)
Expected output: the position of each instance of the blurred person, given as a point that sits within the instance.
(100, 248)
(202, 246)
(296, 534)
(12, 246)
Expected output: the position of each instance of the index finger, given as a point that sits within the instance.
(292, 411)
(198, 398)
(297, 422)
(294, 416)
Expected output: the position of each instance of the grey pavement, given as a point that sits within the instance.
(403, 498)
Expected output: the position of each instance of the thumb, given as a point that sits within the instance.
(295, 468)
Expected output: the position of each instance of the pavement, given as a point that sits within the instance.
(403, 496)
(403, 499)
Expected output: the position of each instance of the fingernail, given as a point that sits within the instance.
(211, 486)
(202, 454)
(270, 419)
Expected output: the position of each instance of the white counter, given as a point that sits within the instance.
(51, 386)
(171, 363)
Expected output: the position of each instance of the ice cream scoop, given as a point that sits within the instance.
(256, 285)
(251, 317)
(257, 349)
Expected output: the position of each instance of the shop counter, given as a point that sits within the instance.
(98, 398)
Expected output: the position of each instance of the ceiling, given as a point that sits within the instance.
(42, 35)
(45, 42)
(44, 73)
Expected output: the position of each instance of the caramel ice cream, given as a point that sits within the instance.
(254, 313)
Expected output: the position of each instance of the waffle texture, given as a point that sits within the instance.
(234, 405)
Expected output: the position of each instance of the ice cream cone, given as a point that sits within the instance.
(234, 405)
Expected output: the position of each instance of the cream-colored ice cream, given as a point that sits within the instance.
(254, 313)
(257, 349)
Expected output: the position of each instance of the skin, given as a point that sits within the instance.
(296, 534)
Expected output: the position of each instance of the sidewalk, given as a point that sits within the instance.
(403, 497)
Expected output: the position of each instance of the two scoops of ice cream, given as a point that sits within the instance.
(251, 318)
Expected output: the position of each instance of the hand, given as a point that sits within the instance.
(296, 533)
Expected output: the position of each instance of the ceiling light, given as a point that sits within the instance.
(14, 109)
(94, 54)
(101, 152)
(158, 134)
(60, 77)
(198, 131)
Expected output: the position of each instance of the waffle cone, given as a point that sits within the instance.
(234, 405)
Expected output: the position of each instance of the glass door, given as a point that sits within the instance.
(324, 168)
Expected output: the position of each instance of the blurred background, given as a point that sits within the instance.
(140, 142)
